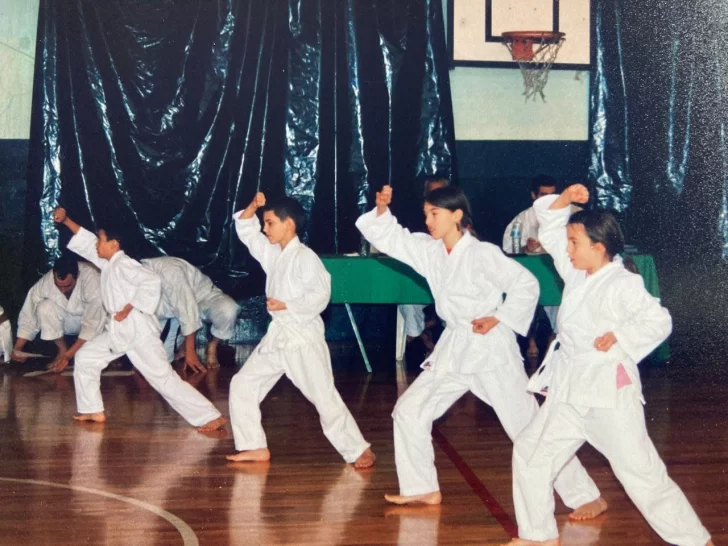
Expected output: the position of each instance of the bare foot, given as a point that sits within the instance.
(250, 456)
(524, 542)
(95, 417)
(423, 511)
(215, 424)
(211, 362)
(590, 510)
(709, 543)
(428, 498)
(365, 460)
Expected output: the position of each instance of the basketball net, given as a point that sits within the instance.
(534, 61)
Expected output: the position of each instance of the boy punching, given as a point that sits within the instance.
(130, 294)
(298, 289)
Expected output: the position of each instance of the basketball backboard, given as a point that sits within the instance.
(475, 28)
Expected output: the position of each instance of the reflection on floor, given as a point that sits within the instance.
(146, 477)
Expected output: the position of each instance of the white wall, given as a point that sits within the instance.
(18, 26)
(488, 104)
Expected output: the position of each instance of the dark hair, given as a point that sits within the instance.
(113, 234)
(602, 227)
(537, 182)
(288, 207)
(435, 178)
(452, 199)
(66, 265)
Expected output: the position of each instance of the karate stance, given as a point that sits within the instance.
(608, 322)
(65, 301)
(298, 289)
(130, 293)
(477, 352)
(190, 297)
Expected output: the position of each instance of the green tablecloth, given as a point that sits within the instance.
(381, 279)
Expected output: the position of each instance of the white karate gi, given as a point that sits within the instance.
(414, 319)
(584, 403)
(48, 311)
(468, 283)
(190, 296)
(124, 280)
(294, 345)
(6, 339)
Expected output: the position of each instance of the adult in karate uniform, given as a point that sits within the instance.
(477, 352)
(190, 297)
(608, 322)
(298, 288)
(130, 293)
(66, 301)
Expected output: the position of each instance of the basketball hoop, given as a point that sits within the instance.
(534, 51)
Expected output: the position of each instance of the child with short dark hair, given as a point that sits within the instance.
(130, 293)
(298, 288)
(608, 322)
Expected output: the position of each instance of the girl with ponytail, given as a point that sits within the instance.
(483, 297)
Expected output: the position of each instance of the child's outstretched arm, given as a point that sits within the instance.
(83, 241)
(381, 229)
(247, 227)
(553, 216)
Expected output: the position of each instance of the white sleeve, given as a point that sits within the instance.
(83, 243)
(388, 236)
(94, 316)
(644, 322)
(552, 233)
(179, 294)
(28, 326)
(316, 283)
(519, 285)
(258, 244)
(147, 284)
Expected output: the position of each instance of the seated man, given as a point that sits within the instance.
(190, 297)
(540, 185)
(65, 301)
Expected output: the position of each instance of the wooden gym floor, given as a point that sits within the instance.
(146, 477)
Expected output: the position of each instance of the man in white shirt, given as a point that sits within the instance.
(540, 185)
(66, 301)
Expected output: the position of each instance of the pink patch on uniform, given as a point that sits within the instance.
(622, 377)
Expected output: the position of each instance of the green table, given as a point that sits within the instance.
(381, 280)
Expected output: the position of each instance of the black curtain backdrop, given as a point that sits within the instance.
(659, 153)
(163, 118)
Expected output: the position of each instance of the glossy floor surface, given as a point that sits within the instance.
(146, 477)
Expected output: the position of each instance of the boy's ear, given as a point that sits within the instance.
(290, 224)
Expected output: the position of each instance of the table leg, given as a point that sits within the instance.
(400, 345)
(358, 338)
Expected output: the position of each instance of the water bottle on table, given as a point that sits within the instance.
(516, 229)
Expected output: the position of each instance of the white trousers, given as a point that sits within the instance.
(149, 358)
(620, 435)
(432, 394)
(6, 341)
(414, 319)
(309, 369)
(221, 311)
(55, 322)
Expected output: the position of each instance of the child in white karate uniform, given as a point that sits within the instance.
(298, 289)
(607, 323)
(130, 293)
(189, 298)
(477, 352)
